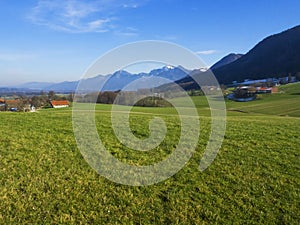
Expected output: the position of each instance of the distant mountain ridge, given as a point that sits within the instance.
(35, 85)
(111, 82)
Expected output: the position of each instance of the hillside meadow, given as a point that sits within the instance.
(254, 179)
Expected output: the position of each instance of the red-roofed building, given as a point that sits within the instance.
(59, 103)
(14, 104)
(263, 90)
(2, 104)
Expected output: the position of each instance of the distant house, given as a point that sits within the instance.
(32, 108)
(264, 90)
(275, 89)
(243, 94)
(29, 108)
(2, 104)
(59, 103)
(14, 105)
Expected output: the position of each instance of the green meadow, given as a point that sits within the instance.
(254, 179)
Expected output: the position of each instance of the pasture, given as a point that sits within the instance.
(254, 179)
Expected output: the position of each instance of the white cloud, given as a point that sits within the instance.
(79, 16)
(128, 32)
(206, 52)
(130, 6)
(96, 25)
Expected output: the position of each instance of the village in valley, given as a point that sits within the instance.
(29, 103)
(249, 89)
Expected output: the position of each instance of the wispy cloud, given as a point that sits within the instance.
(127, 32)
(79, 16)
(206, 52)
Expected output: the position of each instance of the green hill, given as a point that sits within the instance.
(284, 103)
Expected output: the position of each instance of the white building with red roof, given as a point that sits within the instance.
(59, 103)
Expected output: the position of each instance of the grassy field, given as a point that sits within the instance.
(284, 103)
(254, 179)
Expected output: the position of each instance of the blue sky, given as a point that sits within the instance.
(51, 40)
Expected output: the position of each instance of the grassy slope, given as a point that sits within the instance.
(254, 179)
(284, 103)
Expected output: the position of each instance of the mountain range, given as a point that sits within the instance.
(276, 56)
(113, 82)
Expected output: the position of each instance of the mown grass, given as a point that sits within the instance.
(254, 179)
(284, 103)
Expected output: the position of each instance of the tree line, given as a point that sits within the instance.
(130, 98)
